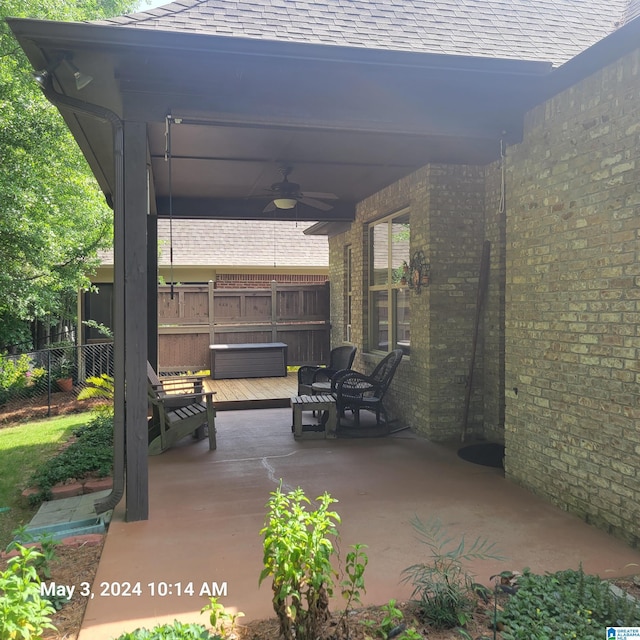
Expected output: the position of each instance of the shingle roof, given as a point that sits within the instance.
(244, 243)
(549, 30)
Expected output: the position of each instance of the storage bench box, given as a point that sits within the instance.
(248, 360)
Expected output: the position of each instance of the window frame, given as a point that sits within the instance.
(389, 286)
(348, 294)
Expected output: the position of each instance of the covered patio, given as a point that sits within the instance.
(207, 508)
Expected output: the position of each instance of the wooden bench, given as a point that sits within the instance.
(318, 403)
(248, 360)
(177, 414)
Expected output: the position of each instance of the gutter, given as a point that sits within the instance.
(106, 115)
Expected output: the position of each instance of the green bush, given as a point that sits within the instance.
(90, 454)
(175, 631)
(19, 378)
(565, 605)
(297, 554)
(24, 613)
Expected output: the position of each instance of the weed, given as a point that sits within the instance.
(355, 564)
(444, 589)
(222, 622)
(392, 625)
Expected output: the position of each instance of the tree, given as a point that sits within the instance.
(53, 218)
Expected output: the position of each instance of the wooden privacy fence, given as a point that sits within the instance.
(199, 315)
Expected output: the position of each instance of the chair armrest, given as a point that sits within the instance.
(185, 396)
(353, 384)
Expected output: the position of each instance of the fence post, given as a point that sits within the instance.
(212, 324)
(48, 383)
(274, 311)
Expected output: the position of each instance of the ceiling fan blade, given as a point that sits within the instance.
(270, 207)
(317, 194)
(316, 204)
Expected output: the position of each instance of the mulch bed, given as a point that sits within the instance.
(24, 410)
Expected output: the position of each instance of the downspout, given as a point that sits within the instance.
(106, 115)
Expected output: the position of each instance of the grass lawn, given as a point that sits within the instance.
(23, 449)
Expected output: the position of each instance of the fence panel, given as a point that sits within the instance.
(199, 316)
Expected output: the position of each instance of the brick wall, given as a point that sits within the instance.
(447, 222)
(493, 312)
(263, 280)
(572, 301)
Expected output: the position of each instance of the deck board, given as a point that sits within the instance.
(253, 393)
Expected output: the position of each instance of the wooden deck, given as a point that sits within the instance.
(253, 393)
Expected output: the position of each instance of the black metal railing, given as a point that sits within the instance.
(38, 375)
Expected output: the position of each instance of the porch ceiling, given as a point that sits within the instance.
(349, 121)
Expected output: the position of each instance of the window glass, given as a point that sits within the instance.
(389, 253)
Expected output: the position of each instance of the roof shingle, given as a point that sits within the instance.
(548, 30)
(243, 243)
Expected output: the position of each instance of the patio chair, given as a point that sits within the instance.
(180, 407)
(340, 358)
(355, 391)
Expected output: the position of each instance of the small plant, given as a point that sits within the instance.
(99, 387)
(565, 605)
(444, 589)
(355, 564)
(175, 631)
(24, 613)
(222, 622)
(297, 554)
(392, 625)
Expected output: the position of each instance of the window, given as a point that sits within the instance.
(348, 289)
(388, 292)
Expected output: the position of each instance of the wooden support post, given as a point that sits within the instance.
(135, 320)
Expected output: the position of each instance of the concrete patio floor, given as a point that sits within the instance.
(207, 508)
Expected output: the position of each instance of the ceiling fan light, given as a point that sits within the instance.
(285, 203)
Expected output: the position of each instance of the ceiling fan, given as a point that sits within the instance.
(287, 194)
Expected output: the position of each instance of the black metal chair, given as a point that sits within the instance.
(340, 358)
(355, 391)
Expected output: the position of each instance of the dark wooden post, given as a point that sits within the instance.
(152, 290)
(136, 318)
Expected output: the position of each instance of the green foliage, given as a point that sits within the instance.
(98, 326)
(563, 606)
(444, 589)
(222, 622)
(53, 218)
(175, 631)
(19, 378)
(100, 387)
(91, 453)
(297, 554)
(392, 624)
(47, 544)
(24, 614)
(353, 584)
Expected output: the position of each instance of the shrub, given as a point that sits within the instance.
(175, 631)
(91, 453)
(563, 606)
(24, 613)
(444, 589)
(16, 377)
(297, 553)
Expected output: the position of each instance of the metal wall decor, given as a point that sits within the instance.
(419, 270)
